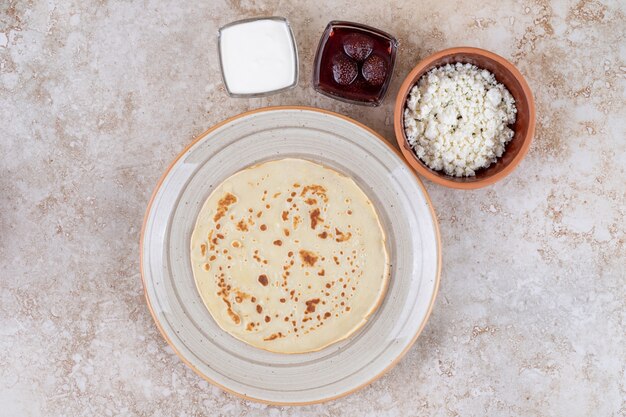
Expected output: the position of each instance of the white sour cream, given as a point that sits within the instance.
(258, 56)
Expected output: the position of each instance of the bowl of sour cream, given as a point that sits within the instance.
(258, 56)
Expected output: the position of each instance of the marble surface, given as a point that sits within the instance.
(97, 97)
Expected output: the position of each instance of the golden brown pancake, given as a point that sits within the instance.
(289, 256)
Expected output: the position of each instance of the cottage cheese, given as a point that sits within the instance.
(456, 119)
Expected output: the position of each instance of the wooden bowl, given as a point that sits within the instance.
(524, 126)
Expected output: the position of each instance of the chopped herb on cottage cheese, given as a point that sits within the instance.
(457, 117)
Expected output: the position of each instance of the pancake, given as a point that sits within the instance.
(289, 256)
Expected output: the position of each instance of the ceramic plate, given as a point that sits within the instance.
(334, 141)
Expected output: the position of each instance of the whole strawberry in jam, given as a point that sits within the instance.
(358, 46)
(375, 70)
(345, 70)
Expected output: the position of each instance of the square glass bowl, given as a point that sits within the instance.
(258, 56)
(348, 49)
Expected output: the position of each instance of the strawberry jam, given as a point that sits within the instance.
(354, 63)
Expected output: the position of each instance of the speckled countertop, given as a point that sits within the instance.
(97, 97)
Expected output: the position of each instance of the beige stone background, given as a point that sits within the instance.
(97, 97)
